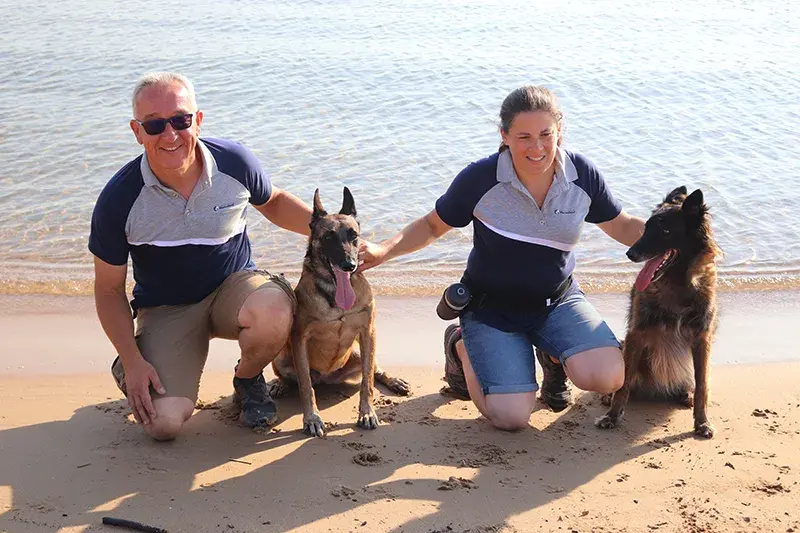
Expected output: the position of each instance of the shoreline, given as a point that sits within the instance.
(412, 282)
(755, 327)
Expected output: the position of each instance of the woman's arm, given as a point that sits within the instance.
(413, 237)
(625, 229)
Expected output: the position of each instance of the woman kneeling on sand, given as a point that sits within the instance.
(527, 203)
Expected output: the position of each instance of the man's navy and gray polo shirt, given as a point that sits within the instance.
(519, 250)
(181, 250)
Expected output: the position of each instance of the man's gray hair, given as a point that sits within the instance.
(163, 78)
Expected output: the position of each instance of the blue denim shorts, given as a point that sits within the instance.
(500, 344)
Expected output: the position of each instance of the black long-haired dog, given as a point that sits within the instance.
(673, 311)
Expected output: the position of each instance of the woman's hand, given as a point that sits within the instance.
(370, 255)
(625, 229)
(413, 237)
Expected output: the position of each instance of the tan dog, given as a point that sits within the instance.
(335, 310)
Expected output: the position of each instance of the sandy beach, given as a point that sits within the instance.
(70, 453)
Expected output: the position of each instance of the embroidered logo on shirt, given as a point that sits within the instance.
(560, 212)
(218, 207)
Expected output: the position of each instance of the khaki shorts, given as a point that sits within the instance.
(175, 338)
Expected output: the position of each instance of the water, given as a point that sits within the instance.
(392, 99)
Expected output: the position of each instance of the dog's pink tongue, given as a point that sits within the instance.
(345, 295)
(648, 271)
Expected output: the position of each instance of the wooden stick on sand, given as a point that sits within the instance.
(119, 522)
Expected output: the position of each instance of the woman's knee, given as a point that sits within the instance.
(599, 370)
(510, 412)
(510, 420)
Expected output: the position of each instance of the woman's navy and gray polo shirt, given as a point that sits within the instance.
(519, 249)
(521, 252)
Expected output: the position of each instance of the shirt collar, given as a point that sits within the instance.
(209, 168)
(566, 166)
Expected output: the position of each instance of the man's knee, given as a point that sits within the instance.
(172, 412)
(164, 428)
(266, 318)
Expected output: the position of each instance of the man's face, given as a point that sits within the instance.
(172, 150)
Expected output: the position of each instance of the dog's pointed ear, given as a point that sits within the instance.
(676, 196)
(348, 204)
(319, 211)
(693, 205)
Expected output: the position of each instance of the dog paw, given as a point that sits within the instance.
(368, 420)
(399, 386)
(606, 422)
(705, 430)
(278, 388)
(685, 399)
(313, 425)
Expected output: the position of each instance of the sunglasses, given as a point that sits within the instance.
(156, 126)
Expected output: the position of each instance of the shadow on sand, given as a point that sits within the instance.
(293, 481)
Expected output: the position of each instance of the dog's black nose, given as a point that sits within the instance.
(348, 265)
(633, 256)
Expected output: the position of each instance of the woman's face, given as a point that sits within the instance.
(532, 141)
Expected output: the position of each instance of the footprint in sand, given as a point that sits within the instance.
(455, 483)
(368, 459)
(357, 446)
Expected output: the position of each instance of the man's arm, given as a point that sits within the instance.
(115, 316)
(625, 229)
(287, 211)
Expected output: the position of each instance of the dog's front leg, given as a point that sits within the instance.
(312, 421)
(701, 353)
(394, 384)
(618, 402)
(367, 418)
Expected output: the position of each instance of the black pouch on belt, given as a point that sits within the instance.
(481, 299)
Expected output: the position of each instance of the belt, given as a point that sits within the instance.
(482, 299)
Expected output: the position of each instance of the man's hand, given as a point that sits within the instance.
(370, 255)
(138, 377)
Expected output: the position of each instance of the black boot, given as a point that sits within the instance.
(258, 407)
(453, 370)
(554, 392)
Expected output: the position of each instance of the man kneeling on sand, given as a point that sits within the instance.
(178, 210)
